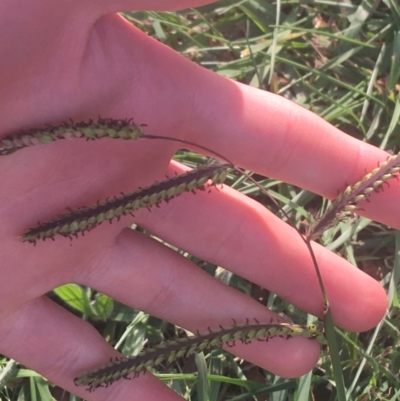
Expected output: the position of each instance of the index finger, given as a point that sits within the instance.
(273, 136)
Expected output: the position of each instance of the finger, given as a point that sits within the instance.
(255, 129)
(239, 234)
(141, 272)
(275, 137)
(60, 346)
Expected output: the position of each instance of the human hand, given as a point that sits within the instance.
(71, 61)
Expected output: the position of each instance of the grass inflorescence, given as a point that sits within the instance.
(86, 218)
(90, 130)
(347, 202)
(165, 353)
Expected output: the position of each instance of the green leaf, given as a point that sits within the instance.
(76, 298)
(103, 305)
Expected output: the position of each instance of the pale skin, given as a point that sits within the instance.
(76, 60)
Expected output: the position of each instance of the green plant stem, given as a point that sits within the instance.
(334, 354)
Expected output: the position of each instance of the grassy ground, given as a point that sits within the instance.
(342, 61)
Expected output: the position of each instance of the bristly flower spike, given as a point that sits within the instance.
(346, 203)
(86, 218)
(102, 128)
(169, 351)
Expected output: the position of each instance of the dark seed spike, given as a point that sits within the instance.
(169, 351)
(347, 201)
(78, 220)
(103, 128)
